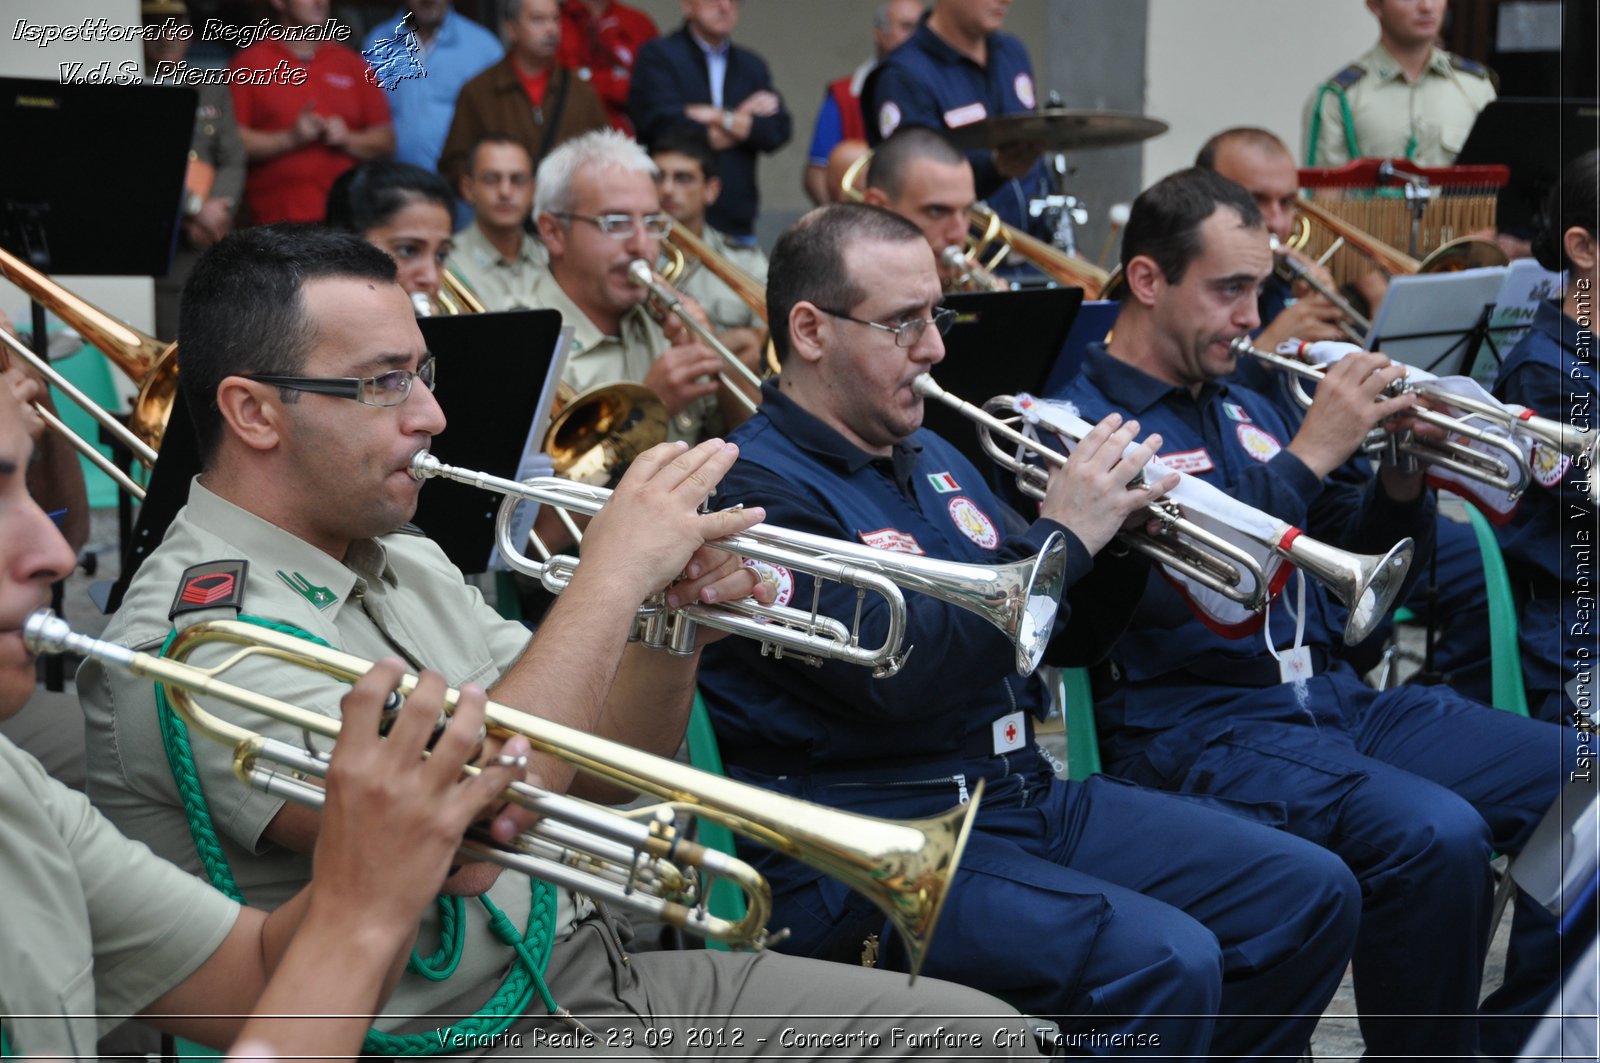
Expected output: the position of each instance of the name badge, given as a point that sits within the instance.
(1010, 732)
(960, 116)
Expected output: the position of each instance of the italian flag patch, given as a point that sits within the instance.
(943, 482)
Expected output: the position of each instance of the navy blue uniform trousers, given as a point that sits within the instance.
(1414, 788)
(1131, 918)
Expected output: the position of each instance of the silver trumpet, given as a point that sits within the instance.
(1020, 598)
(641, 273)
(635, 858)
(1508, 472)
(1366, 583)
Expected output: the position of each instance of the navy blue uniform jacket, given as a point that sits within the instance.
(670, 73)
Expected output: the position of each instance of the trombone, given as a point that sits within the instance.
(627, 857)
(140, 449)
(1367, 584)
(1509, 472)
(1020, 598)
(641, 273)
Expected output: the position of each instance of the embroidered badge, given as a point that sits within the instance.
(1549, 464)
(888, 118)
(321, 597)
(213, 585)
(966, 115)
(943, 482)
(1024, 86)
(1009, 732)
(892, 539)
(1188, 461)
(1236, 412)
(974, 522)
(1257, 443)
(780, 579)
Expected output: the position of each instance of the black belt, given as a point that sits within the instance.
(767, 760)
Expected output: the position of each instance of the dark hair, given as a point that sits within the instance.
(1571, 203)
(242, 310)
(690, 140)
(891, 159)
(483, 142)
(1244, 136)
(1164, 223)
(807, 264)
(368, 195)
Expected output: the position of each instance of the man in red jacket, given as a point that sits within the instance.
(599, 40)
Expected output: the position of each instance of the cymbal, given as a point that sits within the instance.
(1059, 129)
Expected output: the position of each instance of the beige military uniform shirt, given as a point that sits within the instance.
(396, 595)
(94, 924)
(500, 283)
(600, 359)
(723, 306)
(1425, 121)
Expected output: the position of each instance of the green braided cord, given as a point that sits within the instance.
(532, 946)
(1314, 133)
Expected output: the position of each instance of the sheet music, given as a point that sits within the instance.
(1426, 318)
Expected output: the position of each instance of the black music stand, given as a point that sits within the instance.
(61, 209)
(494, 372)
(1001, 343)
(166, 492)
(1560, 130)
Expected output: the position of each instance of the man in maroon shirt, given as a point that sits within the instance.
(312, 113)
(599, 39)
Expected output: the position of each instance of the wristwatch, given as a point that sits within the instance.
(727, 121)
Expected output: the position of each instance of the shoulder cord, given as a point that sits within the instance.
(1314, 133)
(532, 946)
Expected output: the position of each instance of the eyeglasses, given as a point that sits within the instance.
(907, 333)
(385, 389)
(620, 226)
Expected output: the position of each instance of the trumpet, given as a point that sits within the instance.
(1352, 322)
(630, 857)
(1020, 598)
(640, 272)
(138, 447)
(1509, 472)
(1366, 584)
(970, 275)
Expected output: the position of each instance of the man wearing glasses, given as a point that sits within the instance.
(1130, 918)
(310, 385)
(598, 210)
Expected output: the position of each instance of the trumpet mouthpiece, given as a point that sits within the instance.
(640, 273)
(423, 465)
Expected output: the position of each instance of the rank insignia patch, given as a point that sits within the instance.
(213, 585)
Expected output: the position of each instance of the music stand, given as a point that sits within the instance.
(1437, 321)
(497, 379)
(58, 211)
(165, 492)
(1001, 343)
(1526, 285)
(1502, 133)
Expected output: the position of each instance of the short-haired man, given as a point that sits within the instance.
(306, 436)
(698, 76)
(1413, 787)
(453, 50)
(99, 928)
(840, 118)
(956, 69)
(1170, 941)
(1406, 98)
(526, 96)
(925, 179)
(1456, 604)
(689, 184)
(300, 136)
(494, 254)
(597, 209)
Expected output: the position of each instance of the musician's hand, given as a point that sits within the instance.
(1311, 319)
(683, 373)
(651, 528)
(393, 819)
(1349, 405)
(723, 577)
(1090, 494)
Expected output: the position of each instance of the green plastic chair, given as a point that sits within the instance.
(1505, 659)
(1077, 708)
(91, 373)
(726, 900)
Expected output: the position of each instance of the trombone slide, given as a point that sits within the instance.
(640, 273)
